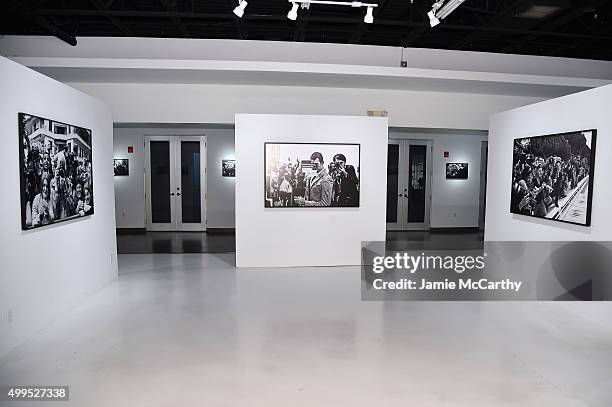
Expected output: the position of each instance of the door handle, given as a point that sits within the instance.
(178, 194)
(171, 193)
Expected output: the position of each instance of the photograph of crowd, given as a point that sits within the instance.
(228, 168)
(55, 167)
(552, 176)
(121, 167)
(311, 175)
(456, 170)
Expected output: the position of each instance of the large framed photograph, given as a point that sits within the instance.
(552, 176)
(55, 171)
(311, 175)
(456, 170)
(121, 167)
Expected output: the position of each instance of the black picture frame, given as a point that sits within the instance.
(228, 168)
(355, 203)
(121, 167)
(58, 156)
(457, 170)
(558, 214)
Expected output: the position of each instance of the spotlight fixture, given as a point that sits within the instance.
(239, 10)
(440, 11)
(293, 13)
(433, 20)
(369, 17)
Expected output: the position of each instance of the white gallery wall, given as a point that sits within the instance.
(129, 191)
(455, 203)
(581, 111)
(184, 49)
(220, 202)
(47, 271)
(269, 237)
(194, 81)
(157, 80)
(217, 104)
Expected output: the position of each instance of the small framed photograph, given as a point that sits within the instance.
(228, 168)
(122, 167)
(456, 170)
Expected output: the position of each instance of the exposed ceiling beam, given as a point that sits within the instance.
(501, 15)
(555, 23)
(318, 19)
(45, 24)
(417, 32)
(363, 27)
(131, 13)
(120, 25)
(176, 20)
(601, 30)
(301, 26)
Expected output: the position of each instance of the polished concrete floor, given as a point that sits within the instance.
(175, 242)
(197, 242)
(192, 330)
(438, 240)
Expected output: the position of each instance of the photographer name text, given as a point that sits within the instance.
(461, 284)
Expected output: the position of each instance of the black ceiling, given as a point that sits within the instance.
(570, 28)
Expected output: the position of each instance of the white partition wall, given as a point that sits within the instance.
(269, 237)
(581, 111)
(47, 271)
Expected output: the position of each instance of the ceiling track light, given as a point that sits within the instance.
(368, 19)
(293, 13)
(239, 10)
(433, 20)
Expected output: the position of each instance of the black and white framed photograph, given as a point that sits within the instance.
(552, 176)
(311, 175)
(228, 168)
(121, 167)
(55, 171)
(456, 170)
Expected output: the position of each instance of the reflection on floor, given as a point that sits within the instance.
(196, 242)
(175, 242)
(437, 240)
(192, 330)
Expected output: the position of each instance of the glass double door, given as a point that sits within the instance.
(408, 184)
(175, 183)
